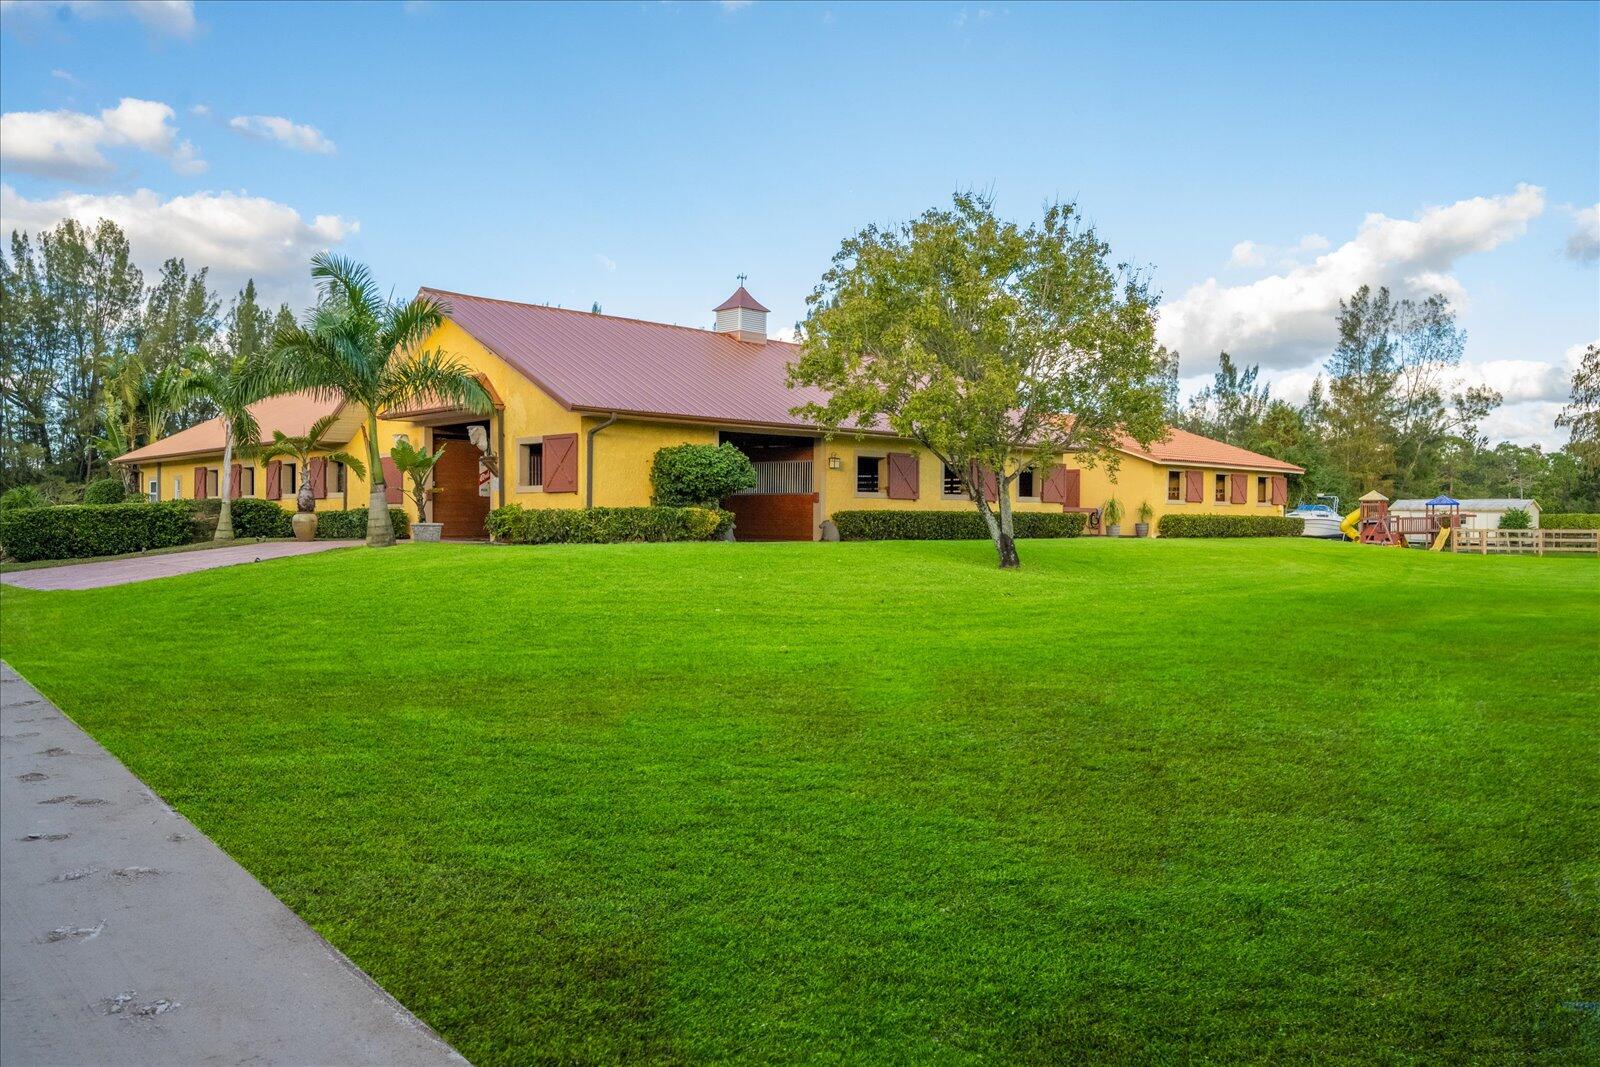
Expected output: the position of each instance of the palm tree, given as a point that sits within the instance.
(300, 448)
(232, 383)
(416, 464)
(367, 350)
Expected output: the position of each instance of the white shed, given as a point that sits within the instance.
(1481, 514)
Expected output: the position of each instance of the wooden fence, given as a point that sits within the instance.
(1527, 542)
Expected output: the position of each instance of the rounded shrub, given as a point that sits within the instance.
(260, 518)
(105, 491)
(699, 476)
(886, 524)
(1516, 519)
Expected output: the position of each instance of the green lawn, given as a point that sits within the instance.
(1163, 801)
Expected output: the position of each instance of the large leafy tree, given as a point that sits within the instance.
(994, 346)
(1581, 417)
(1232, 407)
(370, 351)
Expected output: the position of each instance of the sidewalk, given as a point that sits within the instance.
(128, 937)
(122, 571)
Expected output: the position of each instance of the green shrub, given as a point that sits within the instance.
(260, 518)
(77, 531)
(514, 524)
(1516, 519)
(699, 475)
(23, 496)
(105, 491)
(1562, 520)
(891, 525)
(352, 524)
(1230, 526)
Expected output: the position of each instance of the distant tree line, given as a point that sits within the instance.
(94, 362)
(1384, 415)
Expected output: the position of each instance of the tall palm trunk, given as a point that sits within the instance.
(225, 485)
(380, 531)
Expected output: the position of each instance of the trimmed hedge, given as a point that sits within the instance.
(1229, 526)
(345, 525)
(516, 525)
(76, 531)
(698, 476)
(105, 491)
(1569, 520)
(259, 518)
(890, 525)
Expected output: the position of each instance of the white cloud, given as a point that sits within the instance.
(1287, 319)
(293, 135)
(172, 18)
(238, 236)
(1584, 243)
(604, 262)
(67, 144)
(200, 111)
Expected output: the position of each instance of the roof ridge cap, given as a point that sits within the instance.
(590, 314)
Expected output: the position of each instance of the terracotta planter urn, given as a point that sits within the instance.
(426, 531)
(305, 525)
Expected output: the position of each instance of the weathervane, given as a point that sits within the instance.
(742, 277)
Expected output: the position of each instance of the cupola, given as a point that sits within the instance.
(743, 316)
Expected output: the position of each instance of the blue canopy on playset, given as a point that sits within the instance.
(1442, 501)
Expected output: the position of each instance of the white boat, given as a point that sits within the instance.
(1320, 519)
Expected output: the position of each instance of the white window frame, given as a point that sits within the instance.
(523, 485)
(154, 493)
(943, 495)
(1179, 473)
(1037, 484)
(883, 475)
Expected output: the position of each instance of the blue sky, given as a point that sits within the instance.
(1259, 160)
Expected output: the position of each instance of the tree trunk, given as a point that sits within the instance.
(304, 498)
(380, 531)
(1006, 543)
(225, 486)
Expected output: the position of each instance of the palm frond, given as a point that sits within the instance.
(351, 281)
(350, 461)
(411, 323)
(436, 375)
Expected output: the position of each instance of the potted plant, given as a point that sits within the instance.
(1146, 513)
(416, 464)
(299, 449)
(1112, 514)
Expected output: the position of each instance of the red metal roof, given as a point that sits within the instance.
(605, 363)
(741, 298)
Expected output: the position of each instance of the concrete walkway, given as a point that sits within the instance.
(143, 568)
(128, 937)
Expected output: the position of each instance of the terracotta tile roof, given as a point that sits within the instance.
(741, 298)
(605, 363)
(293, 413)
(1190, 449)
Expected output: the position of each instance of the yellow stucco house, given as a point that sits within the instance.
(581, 403)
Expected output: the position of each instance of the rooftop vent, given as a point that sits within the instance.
(743, 316)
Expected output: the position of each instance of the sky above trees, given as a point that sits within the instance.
(1262, 162)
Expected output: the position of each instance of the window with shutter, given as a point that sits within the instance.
(1174, 486)
(1219, 491)
(952, 483)
(530, 474)
(1025, 487)
(904, 476)
(561, 463)
(868, 474)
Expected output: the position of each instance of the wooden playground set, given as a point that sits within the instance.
(1441, 524)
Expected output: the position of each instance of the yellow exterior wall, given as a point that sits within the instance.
(182, 471)
(625, 449)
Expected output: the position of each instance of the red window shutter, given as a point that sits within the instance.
(903, 476)
(1194, 486)
(1074, 489)
(393, 491)
(1239, 494)
(319, 478)
(1280, 489)
(199, 483)
(561, 463)
(1054, 489)
(235, 479)
(977, 475)
(274, 480)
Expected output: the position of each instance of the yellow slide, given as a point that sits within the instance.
(1442, 538)
(1348, 526)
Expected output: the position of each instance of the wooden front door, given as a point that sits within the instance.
(458, 506)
